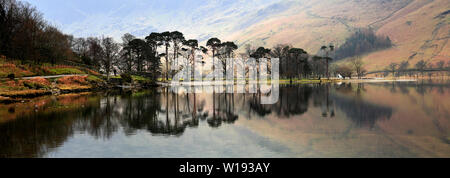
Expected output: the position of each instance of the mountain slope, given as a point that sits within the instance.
(413, 25)
(200, 19)
(419, 28)
(418, 32)
(317, 22)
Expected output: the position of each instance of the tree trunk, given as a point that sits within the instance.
(167, 62)
(214, 66)
(175, 53)
(193, 64)
(225, 67)
(328, 74)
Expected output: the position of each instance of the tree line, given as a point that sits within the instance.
(26, 36)
(361, 42)
(404, 68)
(162, 54)
(295, 63)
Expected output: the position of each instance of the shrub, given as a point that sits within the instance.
(93, 78)
(126, 78)
(345, 71)
(10, 68)
(36, 83)
(11, 76)
(139, 78)
(29, 85)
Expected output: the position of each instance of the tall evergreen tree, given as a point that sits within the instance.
(177, 40)
(213, 44)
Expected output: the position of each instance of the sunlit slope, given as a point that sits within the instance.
(419, 32)
(313, 23)
(413, 25)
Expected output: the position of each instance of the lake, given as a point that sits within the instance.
(382, 119)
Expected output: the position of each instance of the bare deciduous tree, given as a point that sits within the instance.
(110, 54)
(358, 66)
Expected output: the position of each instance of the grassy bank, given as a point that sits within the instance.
(18, 88)
(28, 69)
(13, 86)
(30, 88)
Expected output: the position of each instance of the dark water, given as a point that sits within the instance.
(402, 119)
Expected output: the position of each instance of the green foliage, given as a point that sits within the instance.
(92, 78)
(260, 53)
(28, 85)
(63, 71)
(34, 85)
(139, 78)
(141, 93)
(213, 43)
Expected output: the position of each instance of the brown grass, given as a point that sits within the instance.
(26, 69)
(73, 87)
(73, 83)
(315, 24)
(35, 83)
(10, 68)
(73, 80)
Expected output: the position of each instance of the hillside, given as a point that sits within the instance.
(419, 29)
(418, 32)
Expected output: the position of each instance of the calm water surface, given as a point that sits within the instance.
(392, 119)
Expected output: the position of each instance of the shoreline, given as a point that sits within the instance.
(24, 95)
(16, 96)
(282, 81)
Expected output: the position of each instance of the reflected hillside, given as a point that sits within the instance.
(296, 100)
(34, 133)
(367, 120)
(361, 112)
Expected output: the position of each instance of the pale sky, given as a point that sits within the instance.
(69, 11)
(200, 19)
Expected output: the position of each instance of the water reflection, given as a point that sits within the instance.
(161, 112)
(362, 113)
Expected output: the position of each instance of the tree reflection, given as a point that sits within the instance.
(36, 133)
(223, 108)
(166, 113)
(362, 113)
(295, 100)
(321, 99)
